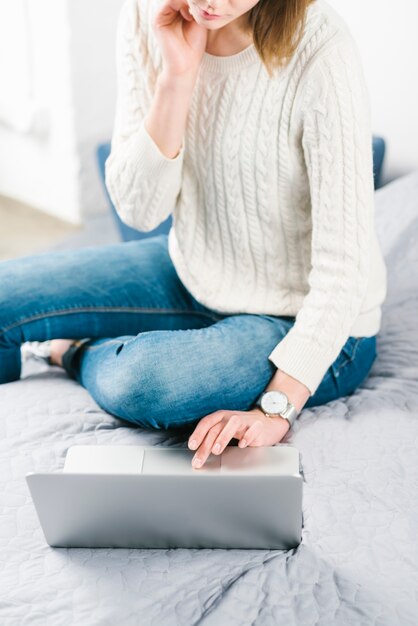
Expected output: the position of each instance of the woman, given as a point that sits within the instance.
(252, 129)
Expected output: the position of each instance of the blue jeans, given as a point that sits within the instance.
(154, 355)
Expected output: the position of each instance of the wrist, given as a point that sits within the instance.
(278, 423)
(180, 83)
(296, 391)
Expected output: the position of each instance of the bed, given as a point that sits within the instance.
(357, 562)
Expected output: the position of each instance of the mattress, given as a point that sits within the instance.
(357, 562)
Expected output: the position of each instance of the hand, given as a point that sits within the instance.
(182, 40)
(252, 428)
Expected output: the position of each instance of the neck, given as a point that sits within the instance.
(230, 39)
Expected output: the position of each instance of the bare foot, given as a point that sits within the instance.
(58, 347)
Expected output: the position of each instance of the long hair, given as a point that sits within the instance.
(277, 27)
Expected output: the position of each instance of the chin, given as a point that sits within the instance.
(211, 25)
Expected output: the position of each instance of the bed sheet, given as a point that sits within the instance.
(358, 559)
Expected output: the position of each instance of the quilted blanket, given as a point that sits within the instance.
(357, 562)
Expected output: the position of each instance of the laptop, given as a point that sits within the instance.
(130, 496)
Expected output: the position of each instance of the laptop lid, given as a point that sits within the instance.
(151, 497)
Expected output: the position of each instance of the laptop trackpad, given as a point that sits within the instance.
(176, 461)
(233, 460)
(278, 461)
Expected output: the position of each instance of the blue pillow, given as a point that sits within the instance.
(378, 157)
(128, 234)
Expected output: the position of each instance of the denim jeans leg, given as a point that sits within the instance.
(351, 372)
(93, 292)
(347, 372)
(171, 379)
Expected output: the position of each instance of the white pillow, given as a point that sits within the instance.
(396, 207)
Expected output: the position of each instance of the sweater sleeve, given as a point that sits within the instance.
(142, 182)
(337, 147)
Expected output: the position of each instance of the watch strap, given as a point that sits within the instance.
(290, 413)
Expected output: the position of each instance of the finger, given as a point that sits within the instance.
(202, 428)
(188, 13)
(230, 430)
(204, 450)
(185, 14)
(167, 14)
(251, 434)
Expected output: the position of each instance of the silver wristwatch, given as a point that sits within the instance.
(277, 403)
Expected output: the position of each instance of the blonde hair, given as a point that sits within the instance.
(277, 27)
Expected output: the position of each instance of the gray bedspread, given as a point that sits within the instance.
(358, 559)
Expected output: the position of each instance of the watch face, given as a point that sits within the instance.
(274, 402)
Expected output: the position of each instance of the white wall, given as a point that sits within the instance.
(93, 77)
(386, 33)
(57, 90)
(38, 161)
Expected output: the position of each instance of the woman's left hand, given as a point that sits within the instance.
(252, 428)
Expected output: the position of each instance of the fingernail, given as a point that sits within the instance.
(193, 444)
(242, 443)
(197, 462)
(216, 448)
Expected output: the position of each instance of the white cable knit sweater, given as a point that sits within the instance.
(272, 191)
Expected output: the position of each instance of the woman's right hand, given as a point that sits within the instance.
(182, 40)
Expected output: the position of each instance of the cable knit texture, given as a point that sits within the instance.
(272, 192)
